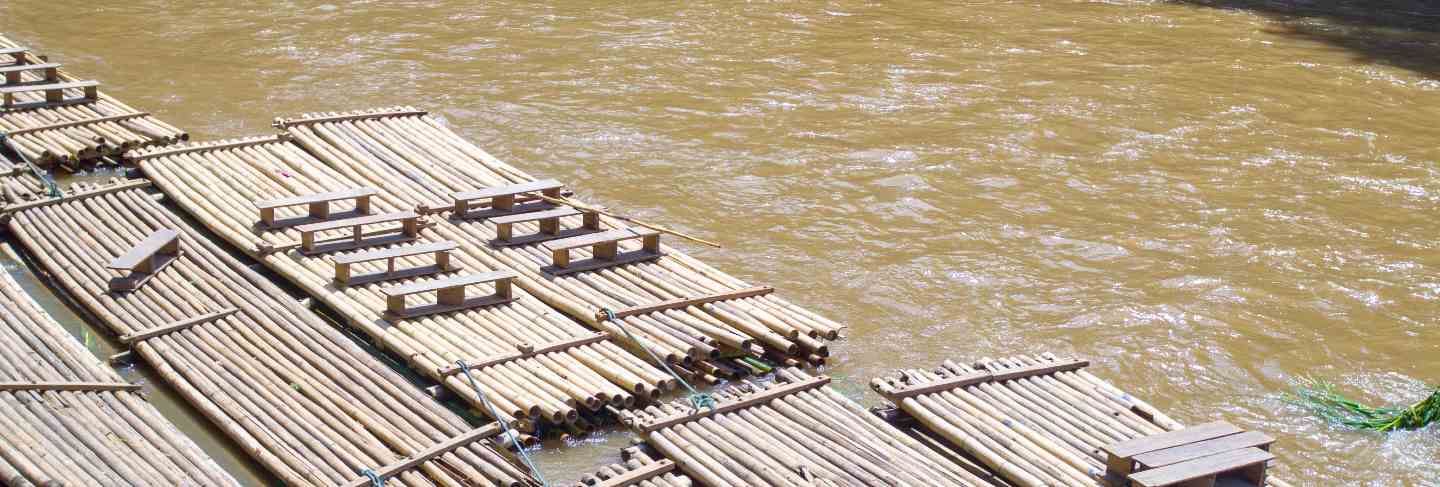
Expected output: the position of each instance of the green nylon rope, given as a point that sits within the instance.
(697, 399)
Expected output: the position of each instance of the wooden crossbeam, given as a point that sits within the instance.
(77, 123)
(138, 155)
(143, 335)
(982, 376)
(69, 386)
(683, 302)
(650, 425)
(447, 446)
(524, 352)
(285, 123)
(646, 472)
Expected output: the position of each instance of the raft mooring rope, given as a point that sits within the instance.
(504, 427)
(51, 189)
(375, 480)
(697, 399)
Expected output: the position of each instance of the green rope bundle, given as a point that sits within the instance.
(1322, 398)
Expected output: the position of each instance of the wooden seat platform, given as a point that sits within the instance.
(54, 92)
(450, 294)
(502, 199)
(319, 206)
(1173, 455)
(604, 247)
(1248, 464)
(409, 230)
(11, 51)
(145, 259)
(1120, 456)
(549, 226)
(441, 250)
(12, 72)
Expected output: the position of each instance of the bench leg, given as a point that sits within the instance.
(1200, 482)
(504, 289)
(357, 233)
(52, 75)
(1255, 474)
(411, 227)
(560, 258)
(592, 220)
(92, 92)
(550, 226)
(395, 305)
(651, 243)
(502, 231)
(267, 217)
(146, 266)
(54, 96)
(606, 250)
(442, 260)
(462, 209)
(504, 203)
(12, 78)
(342, 273)
(320, 210)
(453, 296)
(307, 241)
(362, 205)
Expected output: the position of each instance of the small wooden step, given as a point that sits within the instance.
(605, 249)
(450, 294)
(409, 230)
(502, 199)
(1121, 461)
(549, 226)
(145, 259)
(319, 206)
(442, 263)
(54, 92)
(1246, 463)
(13, 72)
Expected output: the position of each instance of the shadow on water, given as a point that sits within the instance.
(1399, 33)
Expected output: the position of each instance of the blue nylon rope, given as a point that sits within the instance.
(504, 426)
(375, 480)
(697, 399)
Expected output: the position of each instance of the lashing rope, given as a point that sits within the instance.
(504, 426)
(375, 480)
(51, 189)
(697, 399)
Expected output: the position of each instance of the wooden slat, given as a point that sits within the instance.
(317, 198)
(48, 87)
(549, 348)
(144, 250)
(20, 68)
(683, 302)
(176, 326)
(1043, 368)
(69, 386)
(760, 398)
(1161, 458)
(456, 281)
(513, 189)
(615, 235)
(441, 448)
(646, 472)
(13, 50)
(965, 380)
(357, 221)
(148, 153)
(559, 212)
(1171, 439)
(1201, 467)
(284, 123)
(397, 252)
(77, 123)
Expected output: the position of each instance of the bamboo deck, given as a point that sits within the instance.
(797, 431)
(292, 391)
(1037, 421)
(17, 183)
(220, 182)
(411, 155)
(67, 428)
(638, 469)
(75, 132)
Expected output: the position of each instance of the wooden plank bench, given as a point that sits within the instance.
(1248, 464)
(1120, 460)
(605, 248)
(502, 199)
(145, 259)
(441, 250)
(319, 205)
(54, 92)
(13, 72)
(13, 51)
(1184, 453)
(449, 294)
(409, 230)
(549, 226)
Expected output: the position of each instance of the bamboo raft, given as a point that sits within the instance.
(74, 124)
(17, 183)
(1037, 421)
(300, 397)
(534, 364)
(797, 431)
(684, 310)
(67, 418)
(638, 469)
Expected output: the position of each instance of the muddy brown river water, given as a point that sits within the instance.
(1210, 200)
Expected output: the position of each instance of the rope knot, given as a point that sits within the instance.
(704, 401)
(375, 480)
(609, 315)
